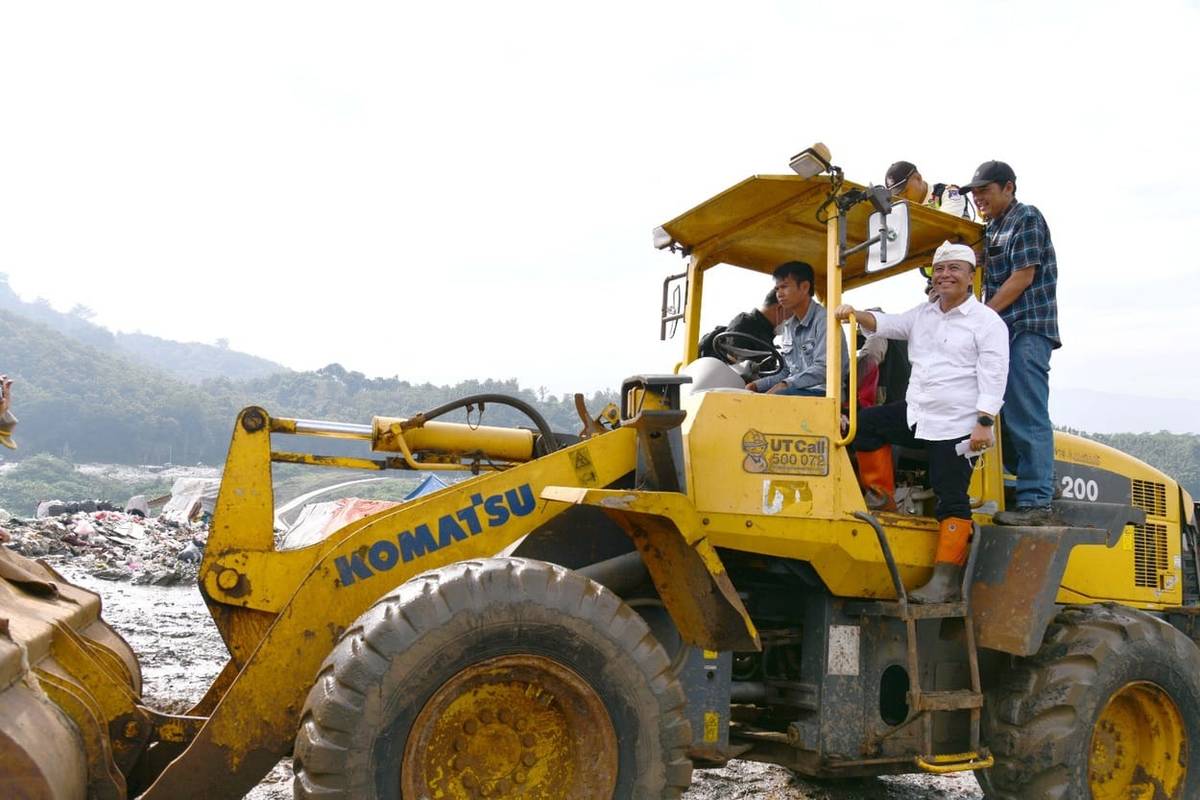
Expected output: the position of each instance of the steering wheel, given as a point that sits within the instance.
(733, 346)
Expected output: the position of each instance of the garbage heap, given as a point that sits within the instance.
(112, 545)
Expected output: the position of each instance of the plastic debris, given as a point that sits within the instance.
(110, 544)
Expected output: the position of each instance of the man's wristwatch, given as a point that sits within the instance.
(985, 420)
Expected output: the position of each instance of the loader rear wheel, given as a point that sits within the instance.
(495, 678)
(1108, 708)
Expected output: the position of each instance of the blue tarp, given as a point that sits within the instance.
(431, 484)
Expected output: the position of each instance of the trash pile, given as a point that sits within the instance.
(108, 544)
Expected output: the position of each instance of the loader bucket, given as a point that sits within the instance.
(70, 686)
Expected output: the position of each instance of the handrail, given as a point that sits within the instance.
(852, 398)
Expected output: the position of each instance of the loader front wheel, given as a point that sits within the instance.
(495, 678)
(1108, 708)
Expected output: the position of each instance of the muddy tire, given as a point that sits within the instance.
(1109, 707)
(492, 676)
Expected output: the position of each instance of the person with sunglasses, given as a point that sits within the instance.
(1020, 281)
(904, 181)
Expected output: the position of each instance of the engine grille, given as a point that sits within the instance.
(1151, 497)
(1149, 553)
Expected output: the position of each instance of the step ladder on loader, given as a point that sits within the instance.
(923, 704)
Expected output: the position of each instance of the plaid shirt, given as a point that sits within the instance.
(1020, 239)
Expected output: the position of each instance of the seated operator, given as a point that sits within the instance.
(904, 181)
(959, 353)
(803, 336)
(759, 323)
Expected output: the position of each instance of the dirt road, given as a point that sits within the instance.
(181, 652)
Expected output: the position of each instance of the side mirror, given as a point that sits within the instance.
(892, 229)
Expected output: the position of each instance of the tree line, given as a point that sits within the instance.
(85, 405)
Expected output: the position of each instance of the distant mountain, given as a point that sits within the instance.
(1105, 412)
(192, 362)
(83, 403)
(195, 362)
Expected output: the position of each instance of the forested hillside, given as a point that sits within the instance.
(1178, 455)
(79, 403)
(190, 362)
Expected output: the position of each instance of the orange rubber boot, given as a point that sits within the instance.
(877, 478)
(946, 584)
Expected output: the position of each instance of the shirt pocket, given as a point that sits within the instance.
(806, 352)
(960, 348)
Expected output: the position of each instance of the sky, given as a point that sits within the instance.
(444, 191)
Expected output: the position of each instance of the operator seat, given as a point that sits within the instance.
(712, 374)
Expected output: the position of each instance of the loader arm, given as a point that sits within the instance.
(253, 724)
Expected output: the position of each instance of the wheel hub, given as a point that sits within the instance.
(1139, 746)
(513, 726)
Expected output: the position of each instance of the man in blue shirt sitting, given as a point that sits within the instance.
(803, 337)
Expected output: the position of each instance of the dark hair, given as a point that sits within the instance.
(798, 270)
(771, 299)
(899, 173)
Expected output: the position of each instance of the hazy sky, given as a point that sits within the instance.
(442, 191)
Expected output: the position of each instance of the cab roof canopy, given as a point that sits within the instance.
(768, 219)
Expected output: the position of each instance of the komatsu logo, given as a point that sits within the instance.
(493, 511)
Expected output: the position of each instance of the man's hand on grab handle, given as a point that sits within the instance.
(865, 318)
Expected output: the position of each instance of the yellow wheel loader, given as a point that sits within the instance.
(694, 577)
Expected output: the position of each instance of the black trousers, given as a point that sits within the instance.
(949, 473)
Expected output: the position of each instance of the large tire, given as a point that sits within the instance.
(1107, 708)
(435, 678)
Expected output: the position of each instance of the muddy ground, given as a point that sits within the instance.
(181, 652)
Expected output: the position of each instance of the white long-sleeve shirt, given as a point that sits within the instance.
(959, 365)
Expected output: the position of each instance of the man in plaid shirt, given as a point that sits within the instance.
(1020, 277)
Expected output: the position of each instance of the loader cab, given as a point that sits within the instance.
(856, 238)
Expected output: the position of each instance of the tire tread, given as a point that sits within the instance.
(327, 769)
(1032, 721)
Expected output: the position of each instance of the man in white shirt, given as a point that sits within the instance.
(959, 353)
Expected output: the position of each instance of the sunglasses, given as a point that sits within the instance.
(899, 184)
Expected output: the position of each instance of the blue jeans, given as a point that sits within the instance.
(811, 391)
(1028, 436)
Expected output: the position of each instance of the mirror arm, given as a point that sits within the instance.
(884, 236)
(880, 198)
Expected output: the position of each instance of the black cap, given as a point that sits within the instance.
(898, 173)
(771, 299)
(990, 172)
